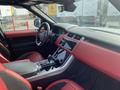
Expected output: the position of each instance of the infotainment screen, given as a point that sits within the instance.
(61, 54)
(67, 44)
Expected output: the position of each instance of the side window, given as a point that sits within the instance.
(15, 19)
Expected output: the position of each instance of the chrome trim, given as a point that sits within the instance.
(52, 72)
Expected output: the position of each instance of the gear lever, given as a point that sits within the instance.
(57, 62)
(50, 62)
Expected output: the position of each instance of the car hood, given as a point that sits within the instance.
(68, 26)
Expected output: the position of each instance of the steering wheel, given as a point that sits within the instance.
(43, 34)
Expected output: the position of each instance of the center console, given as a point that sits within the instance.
(53, 65)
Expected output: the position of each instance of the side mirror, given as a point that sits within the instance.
(37, 22)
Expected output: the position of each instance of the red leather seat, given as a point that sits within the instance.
(2, 85)
(9, 80)
(32, 56)
(64, 85)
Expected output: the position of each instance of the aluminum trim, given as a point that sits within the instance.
(52, 72)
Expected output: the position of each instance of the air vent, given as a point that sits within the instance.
(77, 37)
(70, 35)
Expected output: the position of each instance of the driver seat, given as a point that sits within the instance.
(32, 56)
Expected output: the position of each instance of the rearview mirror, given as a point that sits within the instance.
(37, 22)
(68, 4)
(69, 8)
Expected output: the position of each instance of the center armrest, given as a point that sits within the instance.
(25, 67)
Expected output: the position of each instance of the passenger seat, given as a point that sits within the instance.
(10, 80)
(64, 85)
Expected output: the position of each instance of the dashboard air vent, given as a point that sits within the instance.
(70, 35)
(77, 37)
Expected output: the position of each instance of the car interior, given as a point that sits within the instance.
(58, 56)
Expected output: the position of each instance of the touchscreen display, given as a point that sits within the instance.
(61, 54)
(67, 44)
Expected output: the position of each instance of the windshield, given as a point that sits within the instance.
(90, 13)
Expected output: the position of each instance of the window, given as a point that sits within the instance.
(15, 19)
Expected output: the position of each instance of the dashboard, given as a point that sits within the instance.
(101, 38)
(92, 54)
(98, 49)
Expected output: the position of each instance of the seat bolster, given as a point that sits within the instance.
(65, 85)
(12, 80)
(3, 85)
(32, 56)
(19, 78)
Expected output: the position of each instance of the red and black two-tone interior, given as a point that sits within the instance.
(66, 61)
(59, 56)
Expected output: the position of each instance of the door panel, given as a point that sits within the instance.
(22, 41)
(21, 33)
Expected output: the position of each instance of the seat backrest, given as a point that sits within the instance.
(10, 80)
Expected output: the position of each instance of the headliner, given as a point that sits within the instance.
(25, 2)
